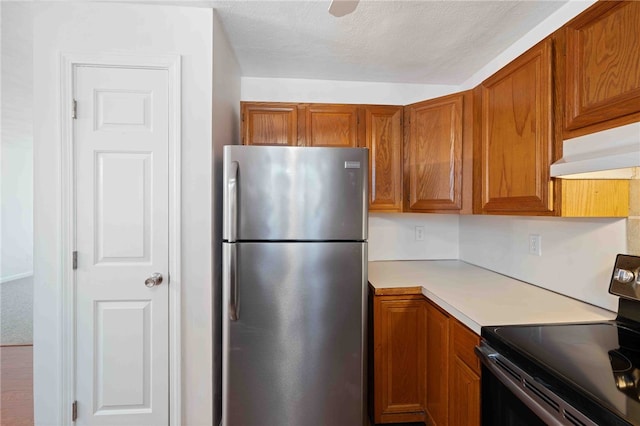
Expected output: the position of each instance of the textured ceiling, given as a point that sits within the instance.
(434, 42)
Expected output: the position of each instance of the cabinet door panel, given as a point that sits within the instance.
(383, 134)
(463, 344)
(602, 72)
(464, 407)
(269, 123)
(400, 355)
(517, 135)
(437, 365)
(332, 125)
(433, 157)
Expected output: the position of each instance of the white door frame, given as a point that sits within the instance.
(69, 63)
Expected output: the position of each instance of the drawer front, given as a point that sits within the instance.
(464, 342)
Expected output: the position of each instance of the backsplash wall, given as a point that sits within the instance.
(392, 236)
(577, 254)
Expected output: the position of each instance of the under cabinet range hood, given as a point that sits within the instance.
(610, 154)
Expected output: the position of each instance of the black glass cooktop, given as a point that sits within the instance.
(594, 366)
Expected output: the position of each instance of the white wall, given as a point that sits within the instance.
(577, 254)
(392, 236)
(16, 148)
(226, 131)
(142, 29)
(342, 92)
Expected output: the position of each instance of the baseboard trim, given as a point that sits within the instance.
(15, 277)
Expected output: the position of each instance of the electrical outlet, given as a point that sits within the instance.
(535, 244)
(419, 233)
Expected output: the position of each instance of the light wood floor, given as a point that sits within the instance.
(16, 385)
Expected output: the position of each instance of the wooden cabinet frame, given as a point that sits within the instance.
(534, 173)
(602, 81)
(438, 156)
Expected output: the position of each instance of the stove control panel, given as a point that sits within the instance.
(625, 279)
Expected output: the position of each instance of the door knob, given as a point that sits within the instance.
(154, 280)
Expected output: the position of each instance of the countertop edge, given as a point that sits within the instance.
(453, 312)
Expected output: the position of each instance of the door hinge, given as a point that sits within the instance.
(74, 109)
(75, 260)
(74, 411)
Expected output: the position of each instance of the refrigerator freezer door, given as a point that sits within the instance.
(294, 356)
(295, 193)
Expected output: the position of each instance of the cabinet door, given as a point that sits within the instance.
(602, 72)
(464, 405)
(269, 123)
(437, 366)
(399, 358)
(332, 125)
(517, 124)
(433, 154)
(464, 377)
(383, 136)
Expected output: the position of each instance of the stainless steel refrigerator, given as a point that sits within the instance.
(294, 286)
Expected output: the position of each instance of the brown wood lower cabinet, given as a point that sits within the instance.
(437, 365)
(424, 366)
(399, 347)
(464, 377)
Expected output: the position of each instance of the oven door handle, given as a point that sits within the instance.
(488, 356)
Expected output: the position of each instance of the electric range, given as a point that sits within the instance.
(567, 374)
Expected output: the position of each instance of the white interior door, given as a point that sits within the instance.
(122, 326)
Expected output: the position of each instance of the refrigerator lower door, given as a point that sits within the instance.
(293, 334)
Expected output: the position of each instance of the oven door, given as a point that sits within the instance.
(510, 397)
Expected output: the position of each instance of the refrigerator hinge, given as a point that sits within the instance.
(74, 109)
(74, 411)
(75, 260)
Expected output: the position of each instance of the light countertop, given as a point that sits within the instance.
(478, 297)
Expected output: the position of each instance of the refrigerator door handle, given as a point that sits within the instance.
(232, 209)
(234, 307)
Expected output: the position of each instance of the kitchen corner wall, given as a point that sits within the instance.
(392, 236)
(577, 254)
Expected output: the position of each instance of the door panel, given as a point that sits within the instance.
(433, 163)
(121, 155)
(332, 125)
(121, 216)
(269, 123)
(296, 193)
(122, 357)
(295, 354)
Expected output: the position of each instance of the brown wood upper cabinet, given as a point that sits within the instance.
(517, 135)
(377, 127)
(602, 73)
(437, 146)
(331, 125)
(265, 123)
(383, 136)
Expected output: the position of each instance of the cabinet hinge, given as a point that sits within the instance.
(75, 260)
(74, 109)
(74, 411)
(242, 117)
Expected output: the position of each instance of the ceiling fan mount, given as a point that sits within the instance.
(340, 8)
